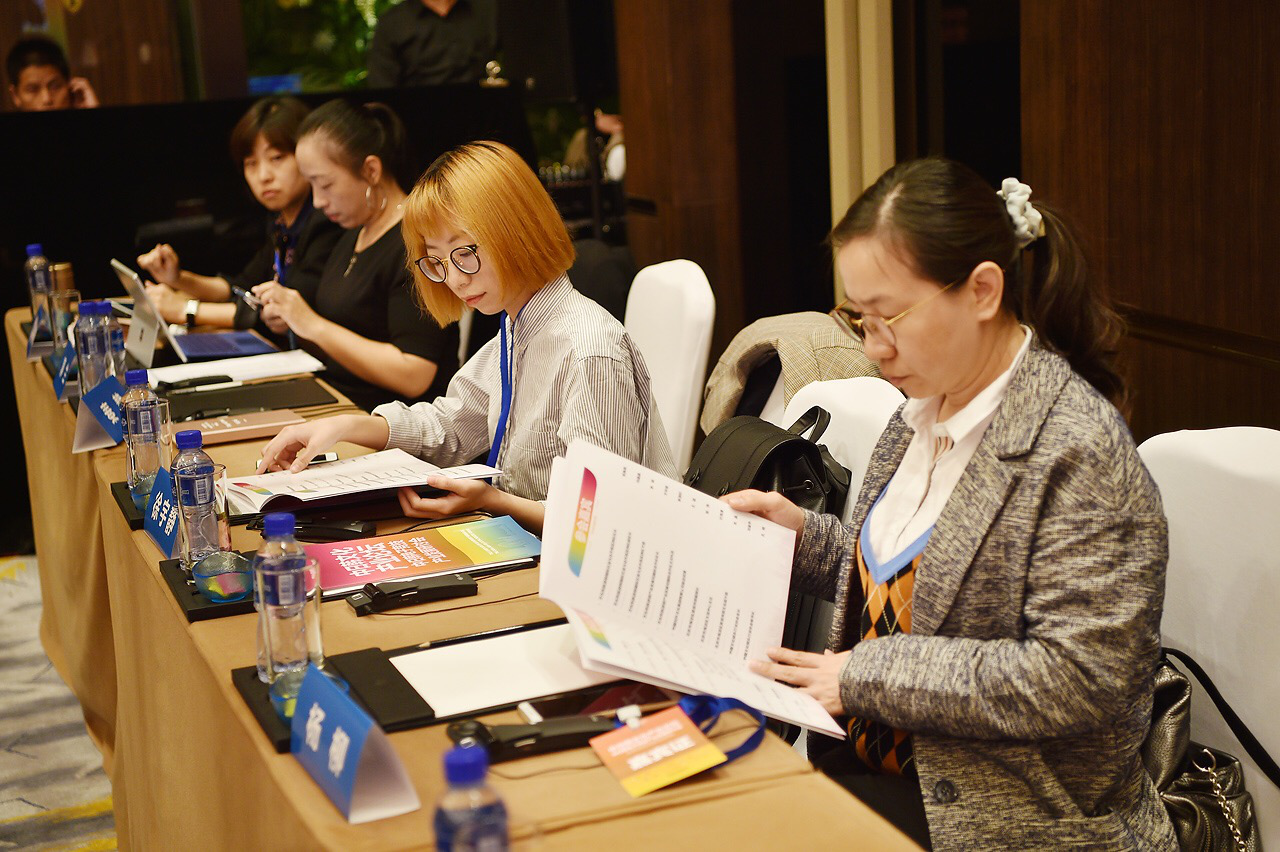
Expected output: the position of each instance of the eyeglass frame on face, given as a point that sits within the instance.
(854, 324)
(475, 252)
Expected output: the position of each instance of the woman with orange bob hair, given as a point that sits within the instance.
(482, 232)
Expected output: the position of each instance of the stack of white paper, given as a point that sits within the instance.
(249, 368)
(667, 585)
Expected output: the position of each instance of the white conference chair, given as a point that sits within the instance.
(860, 408)
(670, 310)
(1221, 493)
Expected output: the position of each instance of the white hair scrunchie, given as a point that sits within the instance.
(1028, 223)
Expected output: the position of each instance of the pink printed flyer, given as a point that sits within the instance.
(489, 543)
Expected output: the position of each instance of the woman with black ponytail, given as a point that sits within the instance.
(361, 319)
(998, 590)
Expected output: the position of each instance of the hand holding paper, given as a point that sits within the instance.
(668, 585)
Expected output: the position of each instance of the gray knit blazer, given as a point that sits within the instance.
(1027, 677)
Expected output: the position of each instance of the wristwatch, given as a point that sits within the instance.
(193, 305)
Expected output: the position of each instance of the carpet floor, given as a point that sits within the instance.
(53, 792)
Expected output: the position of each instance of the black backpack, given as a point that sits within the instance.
(747, 452)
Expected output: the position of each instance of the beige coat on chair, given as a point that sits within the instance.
(1027, 678)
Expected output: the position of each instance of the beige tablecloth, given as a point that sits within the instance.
(75, 622)
(194, 770)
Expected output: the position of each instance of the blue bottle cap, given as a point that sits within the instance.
(34, 249)
(466, 764)
(278, 524)
(93, 309)
(133, 378)
(191, 439)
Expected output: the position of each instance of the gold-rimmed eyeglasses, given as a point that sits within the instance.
(863, 326)
(466, 258)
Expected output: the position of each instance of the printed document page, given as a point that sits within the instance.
(373, 472)
(666, 584)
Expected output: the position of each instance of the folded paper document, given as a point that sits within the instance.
(667, 585)
(341, 481)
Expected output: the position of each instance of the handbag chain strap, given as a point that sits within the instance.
(1208, 769)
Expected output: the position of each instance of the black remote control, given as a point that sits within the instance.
(380, 597)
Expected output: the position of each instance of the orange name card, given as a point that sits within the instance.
(663, 749)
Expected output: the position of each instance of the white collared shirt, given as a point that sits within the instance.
(576, 374)
(933, 463)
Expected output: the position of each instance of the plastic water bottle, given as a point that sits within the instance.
(115, 343)
(39, 283)
(470, 815)
(143, 434)
(197, 505)
(91, 345)
(280, 581)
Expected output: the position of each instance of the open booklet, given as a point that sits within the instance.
(667, 585)
(340, 481)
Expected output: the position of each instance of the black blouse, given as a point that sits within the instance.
(316, 237)
(371, 293)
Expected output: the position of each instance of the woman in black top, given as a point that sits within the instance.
(298, 241)
(361, 320)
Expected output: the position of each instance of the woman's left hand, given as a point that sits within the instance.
(816, 674)
(465, 495)
(171, 304)
(289, 305)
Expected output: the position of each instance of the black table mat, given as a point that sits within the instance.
(195, 606)
(374, 683)
(124, 499)
(289, 393)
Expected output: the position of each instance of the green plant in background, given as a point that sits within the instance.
(322, 41)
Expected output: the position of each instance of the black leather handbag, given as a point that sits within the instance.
(1202, 788)
(747, 452)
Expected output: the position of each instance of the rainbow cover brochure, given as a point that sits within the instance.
(489, 543)
(667, 585)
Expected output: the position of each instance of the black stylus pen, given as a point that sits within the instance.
(489, 634)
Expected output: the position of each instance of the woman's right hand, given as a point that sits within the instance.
(770, 505)
(295, 446)
(162, 263)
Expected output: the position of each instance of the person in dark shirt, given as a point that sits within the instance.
(362, 320)
(298, 239)
(40, 79)
(431, 42)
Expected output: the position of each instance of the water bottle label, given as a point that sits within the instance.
(117, 339)
(144, 421)
(40, 280)
(195, 490)
(283, 588)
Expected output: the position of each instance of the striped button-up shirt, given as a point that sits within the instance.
(575, 374)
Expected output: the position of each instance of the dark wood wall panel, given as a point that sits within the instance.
(727, 164)
(128, 49)
(1154, 126)
(675, 76)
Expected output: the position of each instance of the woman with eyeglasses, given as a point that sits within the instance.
(360, 317)
(999, 588)
(483, 233)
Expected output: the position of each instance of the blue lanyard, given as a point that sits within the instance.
(278, 263)
(504, 366)
(704, 711)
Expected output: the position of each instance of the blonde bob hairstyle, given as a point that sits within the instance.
(484, 190)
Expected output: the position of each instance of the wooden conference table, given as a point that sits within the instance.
(190, 766)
